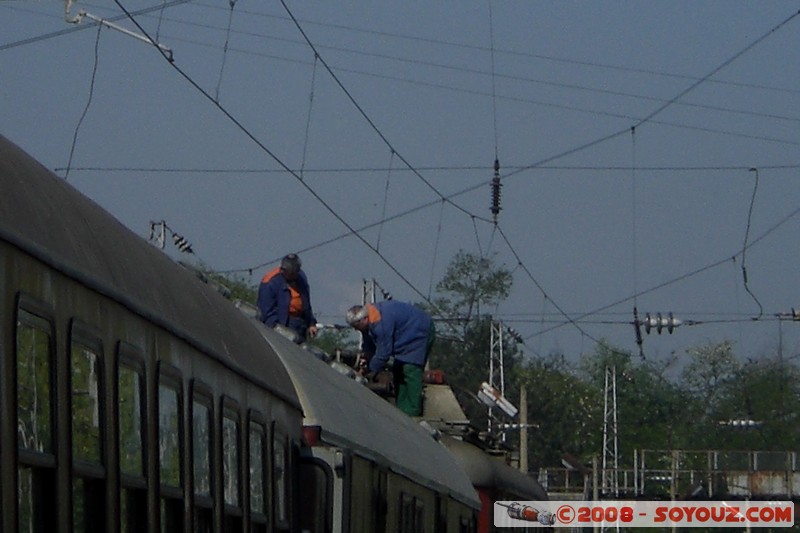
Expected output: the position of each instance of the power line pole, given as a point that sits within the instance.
(610, 480)
(496, 371)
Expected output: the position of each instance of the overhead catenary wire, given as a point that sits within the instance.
(352, 170)
(269, 152)
(348, 226)
(618, 133)
(73, 29)
(232, 4)
(386, 201)
(529, 100)
(677, 279)
(561, 85)
(307, 134)
(744, 246)
(88, 101)
(364, 114)
(472, 47)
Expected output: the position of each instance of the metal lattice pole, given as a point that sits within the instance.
(496, 372)
(610, 480)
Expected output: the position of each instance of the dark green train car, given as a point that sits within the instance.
(133, 396)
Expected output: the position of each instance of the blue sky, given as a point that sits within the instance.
(626, 134)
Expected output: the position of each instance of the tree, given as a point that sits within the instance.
(711, 368)
(463, 335)
(650, 409)
(471, 282)
(757, 406)
(330, 340)
(565, 409)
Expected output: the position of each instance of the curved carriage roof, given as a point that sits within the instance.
(352, 416)
(50, 220)
(487, 471)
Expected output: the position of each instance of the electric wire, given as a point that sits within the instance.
(364, 114)
(634, 252)
(648, 118)
(461, 168)
(88, 101)
(436, 249)
(494, 82)
(308, 119)
(517, 53)
(524, 100)
(232, 4)
(160, 20)
(270, 153)
(385, 200)
(724, 64)
(744, 246)
(559, 85)
(81, 27)
(675, 280)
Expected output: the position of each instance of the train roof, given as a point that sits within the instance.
(487, 471)
(47, 218)
(352, 416)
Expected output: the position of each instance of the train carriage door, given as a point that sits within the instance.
(170, 444)
(316, 500)
(87, 414)
(130, 416)
(35, 389)
(440, 514)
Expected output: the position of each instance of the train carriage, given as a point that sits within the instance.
(367, 467)
(129, 396)
(493, 479)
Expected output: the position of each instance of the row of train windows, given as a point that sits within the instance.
(36, 440)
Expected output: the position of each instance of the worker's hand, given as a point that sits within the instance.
(312, 331)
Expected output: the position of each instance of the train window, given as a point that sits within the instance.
(231, 473)
(280, 479)
(258, 502)
(130, 409)
(202, 440)
(37, 462)
(230, 456)
(169, 448)
(88, 501)
(131, 451)
(86, 394)
(34, 384)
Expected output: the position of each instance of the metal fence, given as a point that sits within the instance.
(683, 474)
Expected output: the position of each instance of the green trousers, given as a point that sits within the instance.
(408, 381)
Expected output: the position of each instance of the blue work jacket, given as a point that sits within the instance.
(274, 298)
(396, 329)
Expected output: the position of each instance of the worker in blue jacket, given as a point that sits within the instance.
(401, 330)
(284, 298)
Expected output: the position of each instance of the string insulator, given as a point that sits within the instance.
(182, 244)
(496, 185)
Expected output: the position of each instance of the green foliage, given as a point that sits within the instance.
(471, 282)
(463, 343)
(567, 410)
(329, 340)
(240, 288)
